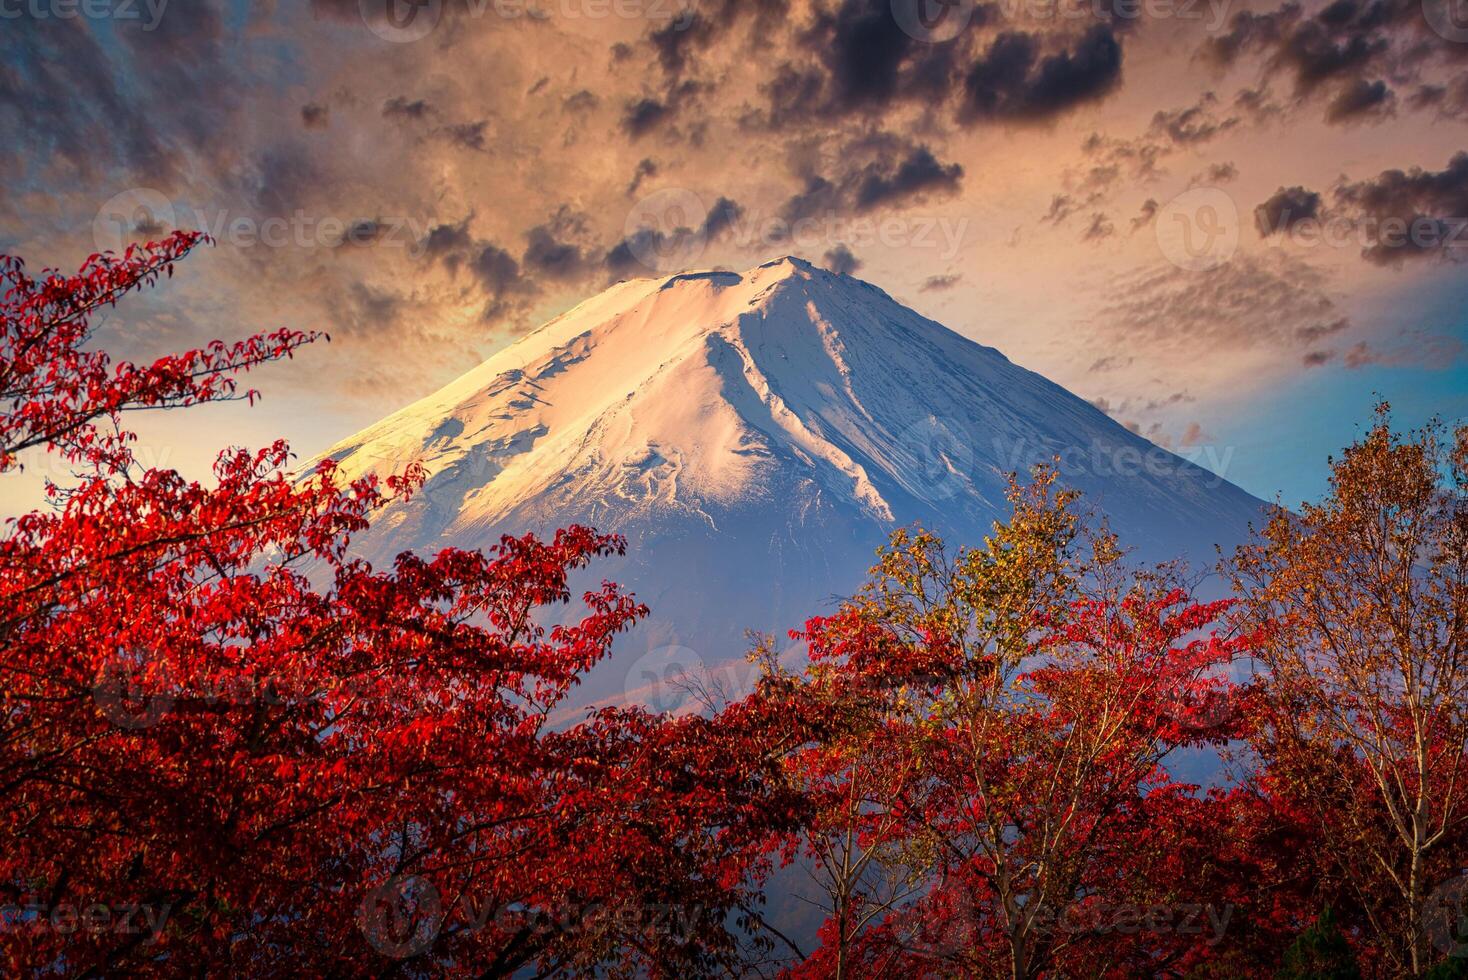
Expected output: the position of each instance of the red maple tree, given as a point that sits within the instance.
(229, 746)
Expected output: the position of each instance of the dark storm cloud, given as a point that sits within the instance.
(500, 279)
(504, 282)
(495, 269)
(675, 41)
(793, 96)
(1285, 209)
(627, 256)
(1360, 99)
(642, 116)
(1412, 213)
(1014, 79)
(1342, 53)
(558, 249)
(1396, 216)
(552, 258)
(646, 167)
(854, 58)
(1316, 55)
(721, 217)
(918, 173)
(841, 261)
(623, 259)
(878, 171)
(448, 243)
(866, 50)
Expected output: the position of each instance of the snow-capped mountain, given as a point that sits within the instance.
(755, 437)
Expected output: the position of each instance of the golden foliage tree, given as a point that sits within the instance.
(1363, 602)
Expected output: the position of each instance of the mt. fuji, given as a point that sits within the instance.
(755, 436)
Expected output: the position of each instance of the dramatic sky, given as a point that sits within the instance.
(1229, 224)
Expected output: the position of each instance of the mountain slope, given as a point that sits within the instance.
(755, 436)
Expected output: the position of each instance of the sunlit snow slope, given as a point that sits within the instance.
(755, 436)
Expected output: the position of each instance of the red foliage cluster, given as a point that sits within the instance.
(226, 745)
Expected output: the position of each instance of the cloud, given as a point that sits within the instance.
(1192, 124)
(400, 107)
(627, 256)
(315, 116)
(1147, 215)
(1412, 213)
(840, 261)
(548, 255)
(1361, 99)
(877, 171)
(1415, 349)
(1286, 208)
(942, 283)
(642, 116)
(1014, 81)
(1099, 229)
(646, 167)
(1271, 304)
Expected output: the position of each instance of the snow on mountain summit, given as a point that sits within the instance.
(755, 436)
